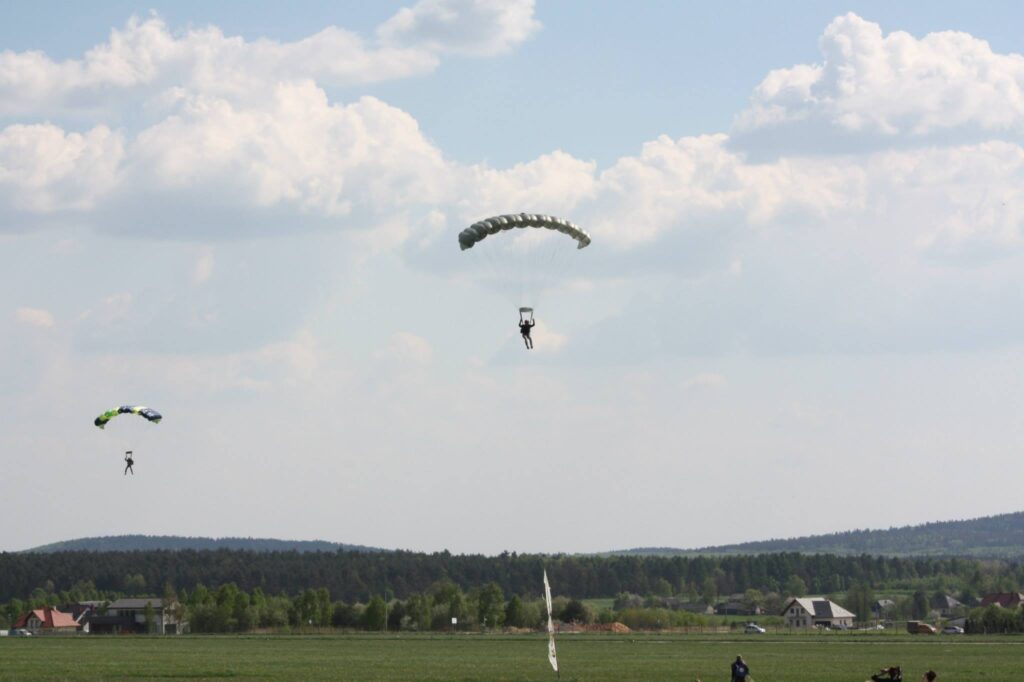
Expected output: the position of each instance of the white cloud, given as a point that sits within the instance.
(408, 349)
(218, 165)
(706, 381)
(146, 56)
(203, 268)
(315, 160)
(44, 169)
(547, 341)
(471, 27)
(886, 89)
(35, 317)
(294, 163)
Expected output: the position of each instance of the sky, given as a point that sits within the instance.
(800, 312)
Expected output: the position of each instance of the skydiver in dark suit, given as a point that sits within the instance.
(524, 328)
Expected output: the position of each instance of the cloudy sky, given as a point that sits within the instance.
(801, 311)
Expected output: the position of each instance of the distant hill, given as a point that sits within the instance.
(143, 543)
(999, 536)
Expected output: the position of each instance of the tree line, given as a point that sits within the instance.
(358, 576)
(446, 607)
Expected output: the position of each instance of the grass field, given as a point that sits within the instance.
(789, 658)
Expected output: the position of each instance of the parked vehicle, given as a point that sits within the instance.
(754, 629)
(20, 632)
(952, 630)
(916, 627)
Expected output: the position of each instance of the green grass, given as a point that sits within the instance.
(789, 658)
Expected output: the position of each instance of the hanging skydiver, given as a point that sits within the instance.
(129, 462)
(525, 325)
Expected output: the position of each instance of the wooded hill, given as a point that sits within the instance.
(994, 537)
(148, 543)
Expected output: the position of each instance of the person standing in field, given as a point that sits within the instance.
(740, 670)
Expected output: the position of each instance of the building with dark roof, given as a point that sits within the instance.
(946, 605)
(131, 615)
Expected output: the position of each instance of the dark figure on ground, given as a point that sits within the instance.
(929, 676)
(740, 670)
(128, 463)
(888, 675)
(524, 328)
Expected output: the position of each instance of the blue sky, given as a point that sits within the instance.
(806, 223)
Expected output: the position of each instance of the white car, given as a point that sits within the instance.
(952, 630)
(754, 629)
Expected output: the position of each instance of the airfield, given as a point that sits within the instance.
(814, 657)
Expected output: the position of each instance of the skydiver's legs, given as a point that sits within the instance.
(127, 468)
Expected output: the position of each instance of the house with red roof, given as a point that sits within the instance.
(46, 620)
(1008, 600)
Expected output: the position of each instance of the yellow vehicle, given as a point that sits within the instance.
(916, 627)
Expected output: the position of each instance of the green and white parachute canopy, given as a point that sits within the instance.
(478, 231)
(146, 412)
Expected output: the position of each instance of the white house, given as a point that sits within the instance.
(147, 614)
(809, 612)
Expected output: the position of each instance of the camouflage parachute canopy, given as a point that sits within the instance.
(146, 412)
(480, 230)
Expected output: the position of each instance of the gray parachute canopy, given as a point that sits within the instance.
(488, 226)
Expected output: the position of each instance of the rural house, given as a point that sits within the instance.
(47, 620)
(809, 612)
(881, 608)
(130, 615)
(735, 608)
(946, 605)
(1008, 600)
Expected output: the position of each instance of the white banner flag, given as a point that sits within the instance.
(552, 656)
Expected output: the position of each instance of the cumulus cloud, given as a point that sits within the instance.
(44, 169)
(294, 163)
(203, 268)
(875, 89)
(706, 381)
(297, 162)
(145, 55)
(471, 27)
(35, 317)
(408, 349)
(217, 165)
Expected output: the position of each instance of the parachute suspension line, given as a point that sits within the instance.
(523, 264)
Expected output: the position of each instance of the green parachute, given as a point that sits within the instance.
(146, 412)
(480, 230)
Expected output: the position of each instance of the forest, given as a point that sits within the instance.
(358, 576)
